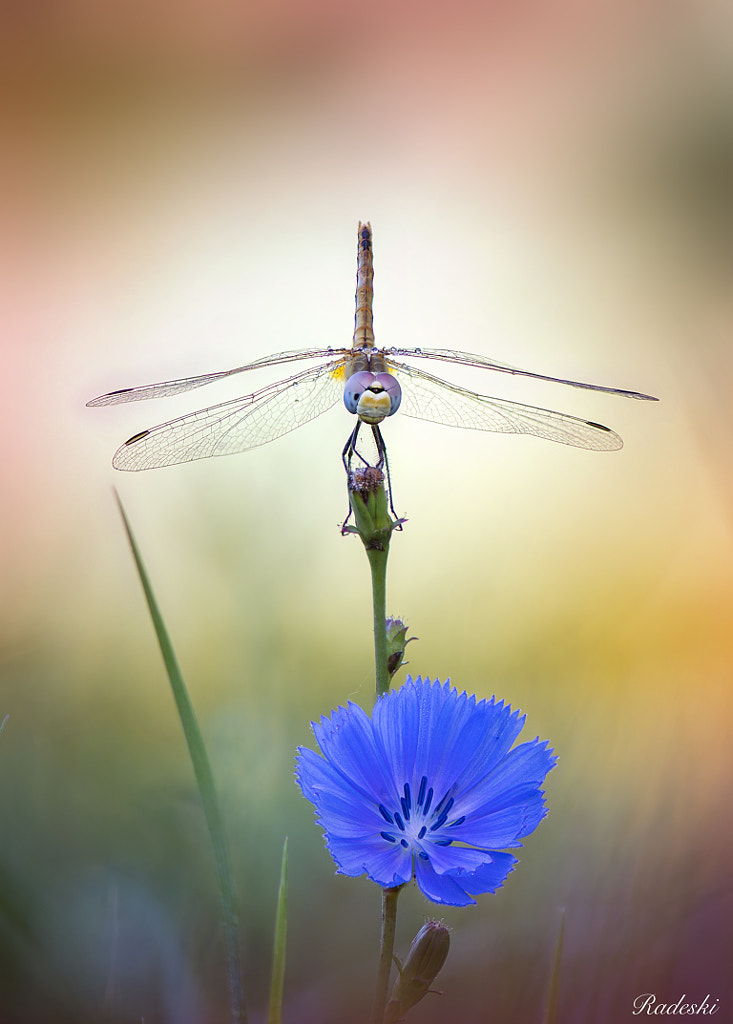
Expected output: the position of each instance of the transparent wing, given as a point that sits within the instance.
(483, 362)
(177, 387)
(236, 425)
(428, 398)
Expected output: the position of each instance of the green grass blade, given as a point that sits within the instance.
(278, 952)
(207, 790)
(551, 1008)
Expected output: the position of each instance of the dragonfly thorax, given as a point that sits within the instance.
(372, 396)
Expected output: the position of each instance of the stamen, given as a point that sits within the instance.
(441, 819)
(388, 837)
(428, 801)
(421, 791)
(404, 843)
(458, 821)
(422, 832)
(405, 807)
(399, 822)
(385, 814)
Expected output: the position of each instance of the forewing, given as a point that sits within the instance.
(236, 425)
(425, 397)
(484, 362)
(177, 387)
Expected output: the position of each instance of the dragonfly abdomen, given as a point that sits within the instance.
(363, 320)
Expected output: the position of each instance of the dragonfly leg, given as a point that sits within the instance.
(346, 457)
(357, 478)
(350, 449)
(383, 464)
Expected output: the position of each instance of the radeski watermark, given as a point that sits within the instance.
(649, 1004)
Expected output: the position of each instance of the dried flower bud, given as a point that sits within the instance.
(428, 953)
(367, 480)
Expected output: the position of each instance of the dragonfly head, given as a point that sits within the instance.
(372, 396)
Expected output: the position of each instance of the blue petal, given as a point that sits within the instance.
(440, 888)
(347, 741)
(425, 710)
(385, 863)
(490, 876)
(341, 809)
(444, 713)
(396, 719)
(524, 802)
(315, 775)
(460, 739)
(534, 813)
(435, 700)
(449, 859)
(517, 796)
(344, 818)
(492, 831)
(529, 762)
(526, 765)
(485, 741)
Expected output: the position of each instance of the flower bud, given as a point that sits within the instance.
(396, 643)
(368, 499)
(428, 953)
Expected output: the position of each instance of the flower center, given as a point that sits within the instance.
(416, 822)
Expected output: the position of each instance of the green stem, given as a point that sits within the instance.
(378, 566)
(386, 952)
(207, 790)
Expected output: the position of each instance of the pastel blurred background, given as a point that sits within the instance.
(549, 184)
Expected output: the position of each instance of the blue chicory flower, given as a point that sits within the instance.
(428, 785)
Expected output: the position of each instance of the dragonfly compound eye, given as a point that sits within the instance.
(372, 397)
(355, 387)
(392, 388)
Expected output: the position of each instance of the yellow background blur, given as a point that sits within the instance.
(549, 184)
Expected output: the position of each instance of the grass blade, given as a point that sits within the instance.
(551, 1008)
(278, 952)
(207, 790)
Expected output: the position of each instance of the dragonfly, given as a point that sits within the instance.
(373, 384)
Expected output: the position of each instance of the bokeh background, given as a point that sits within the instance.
(549, 183)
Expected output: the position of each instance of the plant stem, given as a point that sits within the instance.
(374, 526)
(378, 566)
(389, 924)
